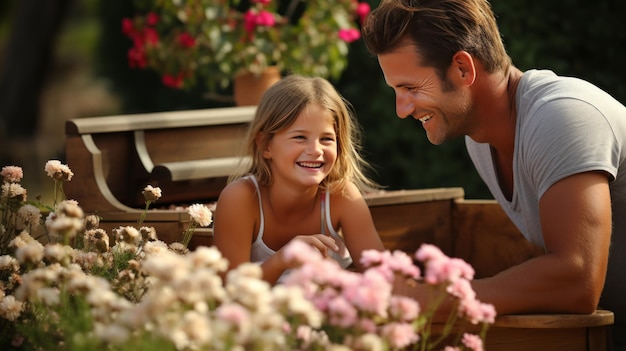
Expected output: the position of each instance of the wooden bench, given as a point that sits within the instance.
(188, 154)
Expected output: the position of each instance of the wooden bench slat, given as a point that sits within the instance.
(157, 120)
(199, 169)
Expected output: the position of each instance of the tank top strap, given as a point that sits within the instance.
(259, 235)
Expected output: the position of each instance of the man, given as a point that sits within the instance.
(551, 149)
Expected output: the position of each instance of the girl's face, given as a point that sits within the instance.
(304, 152)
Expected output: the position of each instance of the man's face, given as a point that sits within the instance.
(443, 107)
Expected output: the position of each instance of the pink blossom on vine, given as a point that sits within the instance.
(152, 19)
(151, 36)
(362, 10)
(128, 27)
(349, 35)
(473, 342)
(137, 57)
(186, 40)
(173, 81)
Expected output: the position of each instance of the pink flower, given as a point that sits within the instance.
(265, 19)
(349, 35)
(249, 21)
(152, 19)
(12, 174)
(137, 57)
(150, 36)
(261, 19)
(403, 308)
(461, 289)
(262, 2)
(476, 311)
(362, 10)
(473, 342)
(342, 313)
(428, 252)
(172, 81)
(399, 335)
(186, 40)
(298, 251)
(128, 27)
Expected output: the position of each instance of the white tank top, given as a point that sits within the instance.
(260, 251)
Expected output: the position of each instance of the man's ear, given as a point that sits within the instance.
(463, 63)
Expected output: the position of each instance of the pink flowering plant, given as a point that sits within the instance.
(83, 289)
(211, 41)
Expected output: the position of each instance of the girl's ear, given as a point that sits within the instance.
(463, 65)
(264, 147)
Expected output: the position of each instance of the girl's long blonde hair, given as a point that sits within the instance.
(281, 105)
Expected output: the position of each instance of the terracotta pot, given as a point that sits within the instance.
(248, 87)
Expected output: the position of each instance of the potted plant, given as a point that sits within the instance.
(210, 42)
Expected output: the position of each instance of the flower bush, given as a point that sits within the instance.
(211, 41)
(74, 289)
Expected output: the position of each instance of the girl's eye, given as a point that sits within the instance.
(328, 139)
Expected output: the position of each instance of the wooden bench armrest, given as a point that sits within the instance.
(200, 169)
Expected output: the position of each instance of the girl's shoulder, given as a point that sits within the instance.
(242, 190)
(346, 196)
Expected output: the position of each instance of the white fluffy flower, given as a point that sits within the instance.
(58, 171)
(10, 308)
(151, 193)
(30, 253)
(200, 214)
(29, 216)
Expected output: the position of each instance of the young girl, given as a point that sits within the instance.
(304, 182)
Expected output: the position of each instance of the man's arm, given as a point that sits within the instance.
(576, 223)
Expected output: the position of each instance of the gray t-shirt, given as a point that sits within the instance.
(564, 126)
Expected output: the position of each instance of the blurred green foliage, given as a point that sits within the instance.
(576, 38)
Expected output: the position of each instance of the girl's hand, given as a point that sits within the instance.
(319, 241)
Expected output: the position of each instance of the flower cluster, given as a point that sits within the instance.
(86, 290)
(213, 40)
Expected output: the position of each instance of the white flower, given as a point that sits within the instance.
(8, 263)
(209, 257)
(57, 252)
(151, 193)
(29, 215)
(58, 171)
(200, 214)
(10, 308)
(30, 253)
(49, 296)
(111, 333)
(13, 191)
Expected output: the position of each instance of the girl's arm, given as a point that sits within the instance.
(356, 223)
(234, 220)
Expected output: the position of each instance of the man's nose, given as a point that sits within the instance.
(404, 106)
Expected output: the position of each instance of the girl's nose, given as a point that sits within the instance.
(315, 148)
